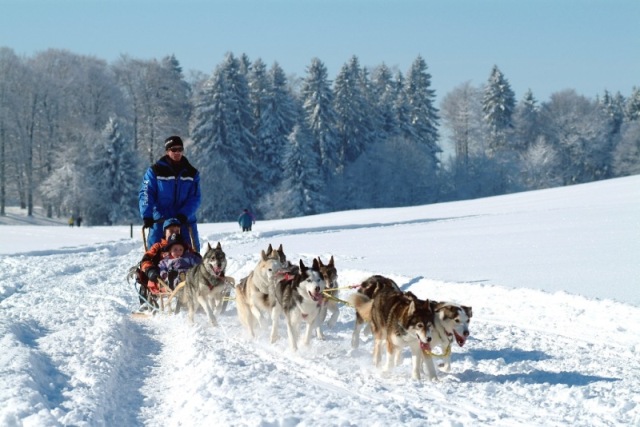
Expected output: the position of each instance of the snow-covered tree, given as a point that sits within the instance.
(383, 98)
(353, 113)
(301, 192)
(159, 100)
(498, 105)
(110, 189)
(391, 173)
(462, 116)
(276, 113)
(402, 109)
(525, 123)
(11, 70)
(320, 116)
(632, 109)
(539, 166)
(423, 115)
(222, 128)
(577, 129)
(627, 153)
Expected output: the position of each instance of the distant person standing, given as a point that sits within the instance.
(246, 220)
(72, 220)
(171, 189)
(79, 221)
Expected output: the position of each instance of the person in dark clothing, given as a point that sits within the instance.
(171, 189)
(79, 221)
(245, 220)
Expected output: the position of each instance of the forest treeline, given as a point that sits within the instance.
(77, 133)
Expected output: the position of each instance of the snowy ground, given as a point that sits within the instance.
(553, 278)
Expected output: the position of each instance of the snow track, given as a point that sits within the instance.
(73, 355)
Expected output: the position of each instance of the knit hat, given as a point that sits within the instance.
(173, 141)
(175, 239)
(171, 221)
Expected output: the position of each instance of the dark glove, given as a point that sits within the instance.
(153, 273)
(148, 222)
(182, 218)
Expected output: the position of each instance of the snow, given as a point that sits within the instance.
(553, 278)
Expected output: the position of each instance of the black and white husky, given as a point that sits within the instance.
(300, 299)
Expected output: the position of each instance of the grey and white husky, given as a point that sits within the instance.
(299, 298)
(206, 285)
(255, 298)
(330, 275)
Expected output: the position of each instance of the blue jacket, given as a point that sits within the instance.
(246, 219)
(167, 191)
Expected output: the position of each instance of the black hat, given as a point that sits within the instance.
(175, 239)
(173, 141)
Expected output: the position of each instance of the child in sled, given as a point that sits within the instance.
(178, 259)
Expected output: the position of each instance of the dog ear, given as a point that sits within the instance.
(263, 255)
(269, 249)
(315, 265)
(319, 261)
(208, 246)
(412, 307)
(331, 261)
(219, 247)
(303, 268)
(467, 310)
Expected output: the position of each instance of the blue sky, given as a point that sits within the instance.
(542, 45)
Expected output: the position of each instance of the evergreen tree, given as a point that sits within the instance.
(320, 117)
(613, 108)
(352, 113)
(526, 125)
(110, 195)
(402, 109)
(498, 105)
(632, 109)
(300, 193)
(626, 158)
(276, 116)
(423, 115)
(222, 129)
(383, 99)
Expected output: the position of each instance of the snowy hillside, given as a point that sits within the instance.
(552, 276)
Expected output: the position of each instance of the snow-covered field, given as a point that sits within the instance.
(553, 278)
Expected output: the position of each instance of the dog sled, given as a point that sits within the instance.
(167, 300)
(151, 303)
(156, 300)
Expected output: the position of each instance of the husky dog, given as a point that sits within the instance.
(451, 322)
(255, 297)
(300, 299)
(330, 276)
(205, 284)
(371, 287)
(401, 320)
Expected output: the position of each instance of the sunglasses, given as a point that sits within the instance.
(176, 149)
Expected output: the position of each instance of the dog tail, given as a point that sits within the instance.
(362, 304)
